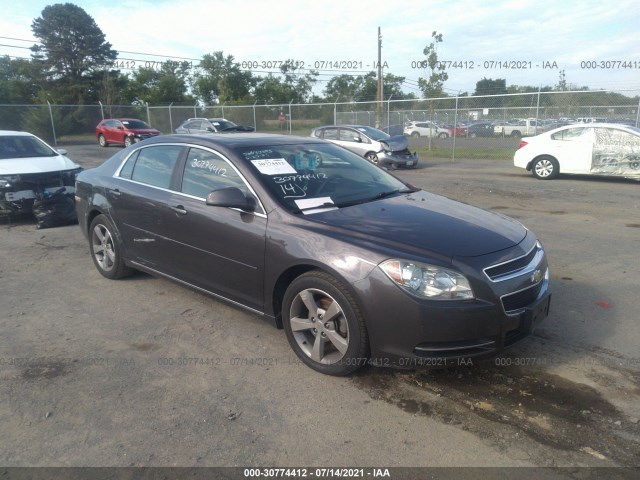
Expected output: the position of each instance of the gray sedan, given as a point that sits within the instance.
(371, 143)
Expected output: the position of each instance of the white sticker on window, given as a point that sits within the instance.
(273, 166)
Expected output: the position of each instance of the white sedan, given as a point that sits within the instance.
(591, 149)
(28, 168)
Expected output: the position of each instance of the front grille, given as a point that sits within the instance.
(515, 266)
(521, 299)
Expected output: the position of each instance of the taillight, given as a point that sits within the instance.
(522, 144)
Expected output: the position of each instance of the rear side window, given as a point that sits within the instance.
(568, 134)
(154, 165)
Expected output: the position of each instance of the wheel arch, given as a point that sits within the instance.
(538, 157)
(289, 275)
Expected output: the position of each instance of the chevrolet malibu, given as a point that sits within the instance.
(355, 265)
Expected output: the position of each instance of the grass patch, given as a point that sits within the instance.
(484, 153)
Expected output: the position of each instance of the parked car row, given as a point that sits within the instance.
(127, 131)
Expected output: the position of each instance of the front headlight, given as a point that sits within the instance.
(428, 281)
(6, 181)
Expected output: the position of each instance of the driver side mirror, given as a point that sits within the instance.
(231, 197)
(357, 139)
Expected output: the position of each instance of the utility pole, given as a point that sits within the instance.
(379, 97)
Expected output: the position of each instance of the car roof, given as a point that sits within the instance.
(234, 139)
(347, 126)
(13, 133)
(122, 119)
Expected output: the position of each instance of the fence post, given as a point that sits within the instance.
(170, 118)
(290, 119)
(455, 128)
(148, 114)
(255, 123)
(537, 111)
(53, 127)
(389, 113)
(101, 109)
(638, 114)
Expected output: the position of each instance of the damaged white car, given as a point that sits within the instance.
(375, 145)
(29, 168)
(585, 148)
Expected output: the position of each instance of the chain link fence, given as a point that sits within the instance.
(67, 123)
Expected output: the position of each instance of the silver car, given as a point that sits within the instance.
(375, 145)
(211, 125)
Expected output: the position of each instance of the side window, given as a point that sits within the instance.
(347, 135)
(330, 134)
(568, 134)
(205, 171)
(154, 165)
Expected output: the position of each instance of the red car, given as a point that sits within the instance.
(460, 130)
(123, 131)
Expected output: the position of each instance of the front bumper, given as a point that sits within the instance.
(17, 198)
(398, 159)
(409, 332)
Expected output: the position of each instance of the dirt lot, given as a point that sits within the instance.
(143, 372)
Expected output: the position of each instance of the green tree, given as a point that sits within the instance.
(72, 47)
(489, 86)
(432, 86)
(165, 85)
(363, 88)
(220, 79)
(292, 85)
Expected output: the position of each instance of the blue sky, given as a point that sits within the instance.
(561, 35)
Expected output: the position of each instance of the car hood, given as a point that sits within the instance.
(422, 221)
(397, 143)
(17, 166)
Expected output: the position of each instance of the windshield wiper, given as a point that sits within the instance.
(378, 196)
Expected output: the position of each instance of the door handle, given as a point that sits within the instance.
(115, 192)
(178, 209)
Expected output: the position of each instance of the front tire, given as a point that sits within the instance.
(372, 157)
(415, 134)
(102, 141)
(324, 324)
(106, 251)
(128, 141)
(545, 168)
(443, 135)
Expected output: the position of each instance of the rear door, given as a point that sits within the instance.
(139, 197)
(573, 147)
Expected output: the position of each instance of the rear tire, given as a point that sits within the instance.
(106, 250)
(545, 168)
(415, 134)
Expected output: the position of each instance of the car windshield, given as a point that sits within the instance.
(135, 124)
(309, 177)
(222, 124)
(22, 146)
(373, 133)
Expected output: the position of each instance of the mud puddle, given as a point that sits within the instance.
(505, 405)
